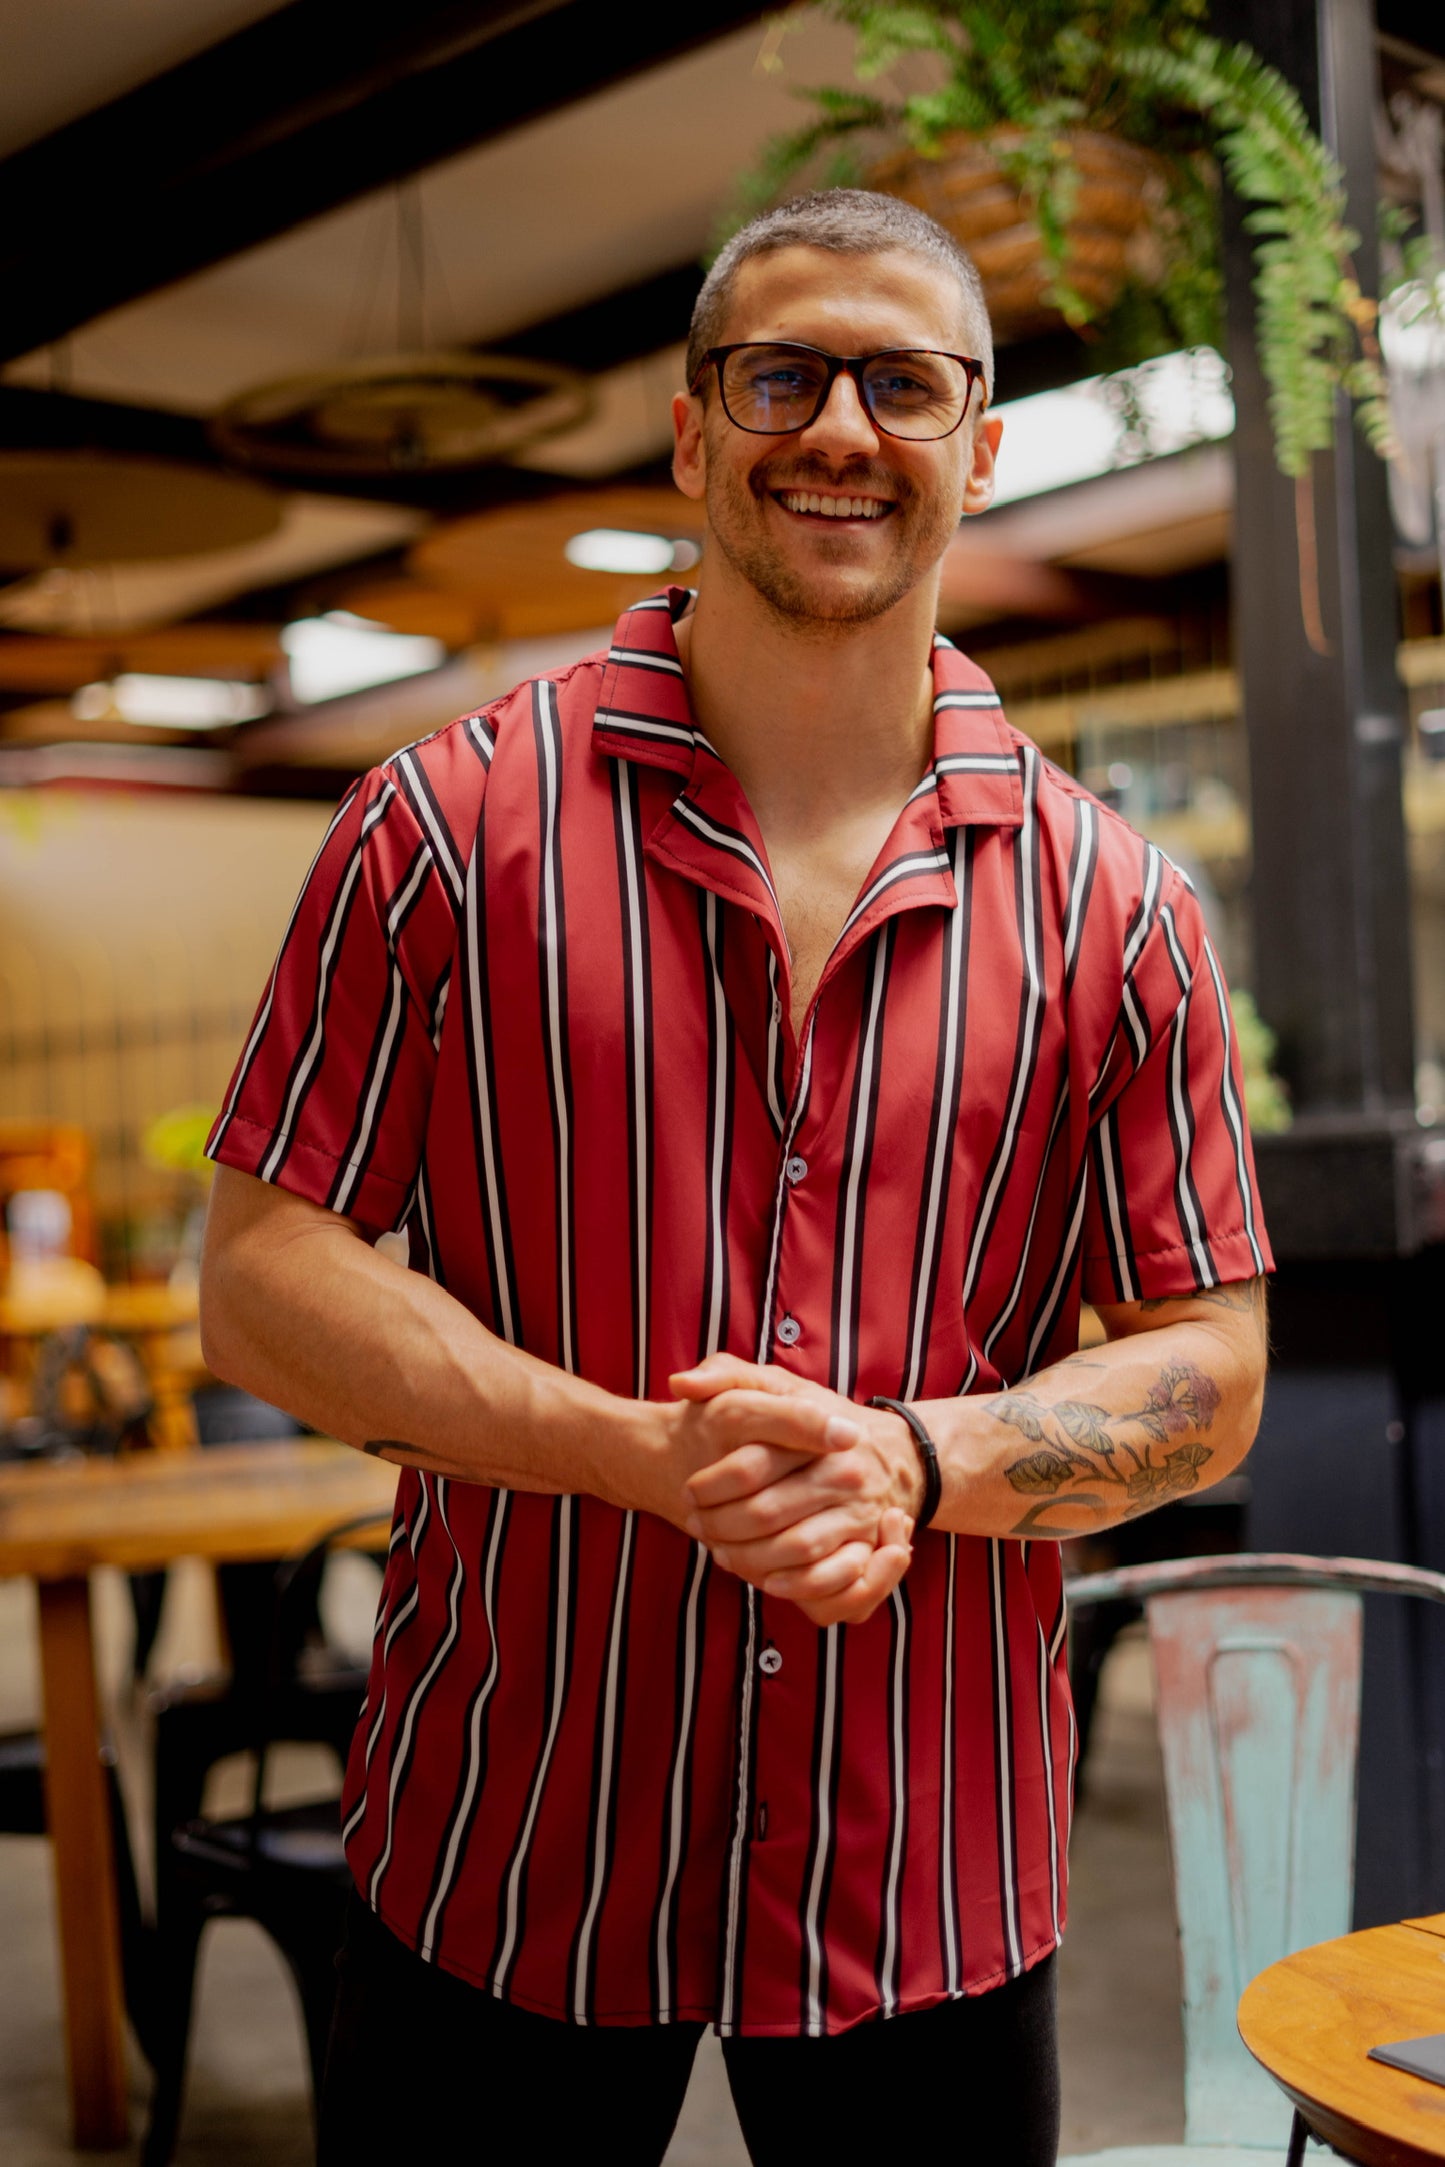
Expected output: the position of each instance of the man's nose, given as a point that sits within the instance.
(845, 427)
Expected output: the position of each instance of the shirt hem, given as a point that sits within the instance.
(706, 2013)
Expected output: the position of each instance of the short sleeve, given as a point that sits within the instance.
(1171, 1201)
(332, 1092)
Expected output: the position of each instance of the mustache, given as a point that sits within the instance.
(861, 479)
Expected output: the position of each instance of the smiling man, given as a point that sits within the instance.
(765, 1051)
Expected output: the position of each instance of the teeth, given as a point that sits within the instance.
(833, 507)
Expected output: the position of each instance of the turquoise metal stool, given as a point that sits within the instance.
(1257, 1675)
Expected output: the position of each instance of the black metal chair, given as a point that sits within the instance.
(22, 1813)
(281, 1866)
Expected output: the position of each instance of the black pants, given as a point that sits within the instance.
(425, 2067)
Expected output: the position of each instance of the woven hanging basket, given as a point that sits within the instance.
(1111, 232)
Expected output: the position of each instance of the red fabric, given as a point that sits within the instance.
(533, 1007)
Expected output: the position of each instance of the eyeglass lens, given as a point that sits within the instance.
(774, 389)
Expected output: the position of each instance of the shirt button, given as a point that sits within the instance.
(770, 1662)
(796, 1169)
(790, 1332)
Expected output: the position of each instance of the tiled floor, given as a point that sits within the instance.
(247, 2101)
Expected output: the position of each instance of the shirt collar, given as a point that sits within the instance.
(643, 714)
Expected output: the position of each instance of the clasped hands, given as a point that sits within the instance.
(794, 1488)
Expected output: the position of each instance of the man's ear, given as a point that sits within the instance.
(978, 483)
(689, 454)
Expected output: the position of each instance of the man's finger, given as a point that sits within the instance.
(722, 1373)
(751, 1416)
(880, 1576)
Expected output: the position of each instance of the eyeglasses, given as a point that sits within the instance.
(773, 389)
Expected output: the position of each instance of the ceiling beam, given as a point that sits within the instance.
(300, 113)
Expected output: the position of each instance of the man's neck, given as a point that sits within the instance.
(816, 723)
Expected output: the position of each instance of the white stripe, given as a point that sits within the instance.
(375, 814)
(976, 763)
(678, 1784)
(565, 1509)
(483, 737)
(825, 1832)
(780, 1193)
(1001, 1321)
(1074, 920)
(1153, 873)
(1062, 1272)
(1234, 1113)
(943, 1142)
(474, 1739)
(417, 1694)
(1128, 1284)
(1179, 1093)
(638, 1024)
(892, 1923)
(606, 1755)
(717, 1143)
(1047, 1741)
(442, 849)
(917, 862)
(1005, 1757)
(393, 1024)
(635, 726)
(439, 1014)
(736, 846)
(775, 1034)
(966, 699)
(637, 658)
(951, 1979)
(552, 959)
(740, 1822)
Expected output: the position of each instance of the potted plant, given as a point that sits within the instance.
(1077, 149)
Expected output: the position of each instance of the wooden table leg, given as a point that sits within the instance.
(85, 1893)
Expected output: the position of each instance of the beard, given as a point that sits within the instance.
(809, 597)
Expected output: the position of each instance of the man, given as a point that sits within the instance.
(746, 1026)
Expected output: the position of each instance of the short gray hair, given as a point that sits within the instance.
(846, 222)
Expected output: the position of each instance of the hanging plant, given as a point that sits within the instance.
(1104, 131)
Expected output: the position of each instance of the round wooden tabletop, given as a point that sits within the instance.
(1312, 2019)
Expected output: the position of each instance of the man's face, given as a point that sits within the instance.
(772, 501)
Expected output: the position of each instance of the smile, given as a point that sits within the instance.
(799, 500)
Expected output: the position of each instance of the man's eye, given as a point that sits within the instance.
(896, 385)
(780, 383)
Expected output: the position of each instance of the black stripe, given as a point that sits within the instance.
(899, 1629)
(413, 1712)
(717, 1268)
(416, 785)
(1082, 834)
(747, 1807)
(1005, 1824)
(605, 1770)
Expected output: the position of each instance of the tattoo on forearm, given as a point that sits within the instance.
(377, 1446)
(1083, 1451)
(1242, 1294)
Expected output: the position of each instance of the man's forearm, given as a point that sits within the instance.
(1108, 1433)
(385, 1359)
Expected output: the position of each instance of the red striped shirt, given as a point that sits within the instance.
(533, 1007)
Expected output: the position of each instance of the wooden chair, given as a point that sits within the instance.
(1257, 1671)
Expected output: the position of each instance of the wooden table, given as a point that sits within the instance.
(57, 1523)
(1312, 2019)
(159, 1321)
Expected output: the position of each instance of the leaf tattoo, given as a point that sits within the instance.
(1081, 1447)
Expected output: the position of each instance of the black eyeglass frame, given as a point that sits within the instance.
(718, 356)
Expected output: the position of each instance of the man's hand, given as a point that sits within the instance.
(825, 1525)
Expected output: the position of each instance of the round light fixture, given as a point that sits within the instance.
(402, 414)
(617, 549)
(81, 508)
